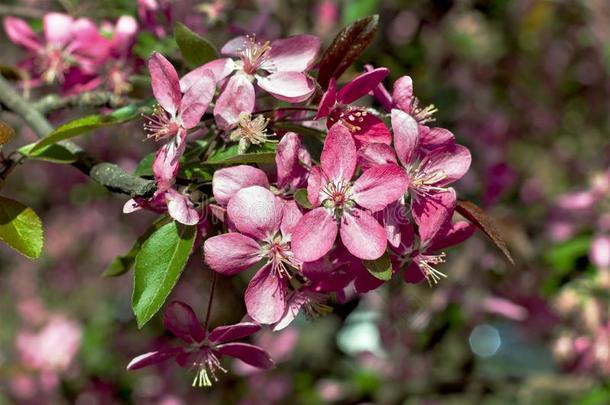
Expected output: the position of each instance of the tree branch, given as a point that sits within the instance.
(107, 174)
(54, 102)
(26, 12)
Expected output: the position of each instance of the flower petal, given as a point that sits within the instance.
(291, 174)
(406, 136)
(293, 87)
(57, 28)
(234, 46)
(314, 235)
(229, 333)
(338, 159)
(452, 162)
(451, 235)
(196, 100)
(20, 33)
(291, 215)
(402, 94)
(266, 296)
(373, 130)
(230, 253)
(432, 138)
(329, 98)
(600, 251)
(293, 54)
(152, 358)
(180, 319)
(413, 274)
(256, 212)
(236, 97)
(220, 68)
(381, 93)
(164, 81)
(380, 186)
(314, 182)
(181, 208)
(362, 85)
(362, 235)
(375, 154)
(432, 212)
(228, 181)
(253, 355)
(294, 305)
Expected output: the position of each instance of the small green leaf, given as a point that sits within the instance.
(300, 196)
(20, 228)
(380, 268)
(122, 264)
(144, 167)
(147, 43)
(52, 153)
(89, 123)
(195, 50)
(231, 155)
(158, 266)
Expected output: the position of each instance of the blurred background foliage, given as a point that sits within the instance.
(525, 84)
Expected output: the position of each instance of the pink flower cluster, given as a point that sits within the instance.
(311, 230)
(75, 52)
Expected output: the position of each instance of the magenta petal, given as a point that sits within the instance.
(373, 130)
(454, 234)
(451, 161)
(180, 319)
(165, 167)
(229, 333)
(293, 54)
(236, 97)
(413, 274)
(228, 181)
(220, 68)
(266, 296)
(253, 355)
(234, 46)
(291, 215)
(165, 85)
(380, 186)
(406, 136)
(294, 305)
(181, 208)
(290, 172)
(20, 33)
(314, 182)
(329, 98)
(600, 251)
(375, 154)
(256, 212)
(125, 31)
(152, 358)
(293, 87)
(231, 253)
(432, 212)
(314, 235)
(365, 281)
(338, 159)
(196, 100)
(402, 94)
(432, 138)
(362, 235)
(57, 28)
(362, 85)
(381, 93)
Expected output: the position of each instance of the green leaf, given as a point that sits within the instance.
(147, 43)
(300, 196)
(195, 50)
(158, 266)
(144, 167)
(89, 123)
(231, 155)
(122, 264)
(52, 153)
(380, 268)
(355, 9)
(20, 228)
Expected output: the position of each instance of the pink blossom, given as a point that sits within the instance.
(600, 251)
(202, 350)
(155, 15)
(264, 225)
(343, 206)
(278, 67)
(293, 162)
(336, 105)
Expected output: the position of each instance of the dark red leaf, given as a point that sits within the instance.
(485, 223)
(347, 46)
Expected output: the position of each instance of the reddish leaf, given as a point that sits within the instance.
(347, 46)
(485, 223)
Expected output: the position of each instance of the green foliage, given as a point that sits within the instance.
(264, 153)
(380, 268)
(52, 153)
(300, 196)
(147, 43)
(158, 266)
(195, 50)
(20, 228)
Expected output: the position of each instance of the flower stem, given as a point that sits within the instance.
(210, 300)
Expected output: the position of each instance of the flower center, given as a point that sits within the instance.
(277, 250)
(425, 263)
(207, 364)
(423, 181)
(161, 124)
(337, 196)
(52, 64)
(351, 117)
(421, 114)
(254, 54)
(251, 131)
